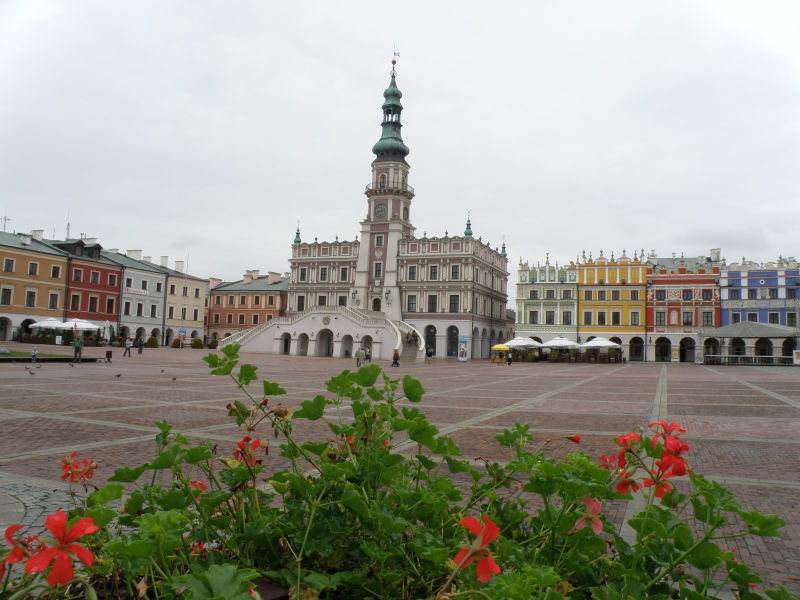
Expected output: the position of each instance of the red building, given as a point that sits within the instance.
(238, 305)
(682, 301)
(93, 283)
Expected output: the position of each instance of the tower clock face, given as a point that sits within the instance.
(380, 211)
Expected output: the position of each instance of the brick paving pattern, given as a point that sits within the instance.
(742, 421)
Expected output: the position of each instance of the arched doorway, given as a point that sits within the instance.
(302, 344)
(5, 329)
(711, 351)
(346, 350)
(686, 350)
(286, 343)
(324, 343)
(215, 336)
(663, 350)
(26, 326)
(763, 347)
(194, 334)
(366, 343)
(484, 343)
(788, 347)
(616, 340)
(156, 333)
(737, 347)
(452, 341)
(140, 332)
(476, 343)
(430, 338)
(376, 304)
(636, 349)
(125, 333)
(167, 341)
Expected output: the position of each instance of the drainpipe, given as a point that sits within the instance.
(66, 291)
(119, 308)
(164, 312)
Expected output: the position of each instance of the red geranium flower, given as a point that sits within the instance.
(666, 430)
(662, 487)
(244, 451)
(574, 438)
(486, 565)
(17, 554)
(59, 555)
(592, 508)
(198, 485)
(608, 462)
(625, 483)
(77, 470)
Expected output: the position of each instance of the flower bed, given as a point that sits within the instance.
(372, 511)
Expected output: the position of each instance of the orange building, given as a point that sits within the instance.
(252, 301)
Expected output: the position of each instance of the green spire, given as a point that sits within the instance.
(503, 251)
(297, 235)
(391, 146)
(468, 230)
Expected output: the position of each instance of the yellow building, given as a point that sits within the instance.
(611, 301)
(33, 279)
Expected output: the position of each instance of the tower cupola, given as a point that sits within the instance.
(391, 146)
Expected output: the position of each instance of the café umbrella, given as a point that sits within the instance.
(599, 342)
(500, 347)
(523, 342)
(79, 325)
(560, 343)
(49, 324)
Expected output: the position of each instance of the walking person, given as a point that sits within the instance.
(77, 349)
(141, 344)
(508, 359)
(428, 354)
(34, 354)
(128, 346)
(360, 354)
(396, 358)
(367, 355)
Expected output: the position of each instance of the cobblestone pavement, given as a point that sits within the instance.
(743, 421)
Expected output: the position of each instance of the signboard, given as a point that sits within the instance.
(797, 357)
(463, 354)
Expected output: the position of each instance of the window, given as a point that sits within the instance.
(378, 241)
(706, 294)
(432, 303)
(255, 319)
(185, 290)
(126, 308)
(688, 318)
(216, 317)
(110, 306)
(128, 282)
(8, 265)
(587, 317)
(550, 294)
(55, 272)
(752, 294)
(323, 274)
(635, 295)
(734, 295)
(791, 319)
(412, 273)
(791, 293)
(77, 275)
(773, 318)
(455, 273)
(378, 269)
(75, 302)
(534, 294)
(153, 311)
(661, 319)
(735, 318)
(33, 268)
(241, 319)
(93, 304)
(183, 313)
(242, 300)
(566, 317)
(454, 303)
(139, 309)
(587, 295)
(601, 295)
(343, 274)
(342, 300)
(171, 312)
(601, 318)
(412, 303)
(301, 303)
(172, 289)
(144, 284)
(773, 293)
(434, 273)
(322, 301)
(230, 300)
(566, 294)
(615, 318)
(661, 294)
(229, 319)
(303, 273)
(159, 286)
(708, 319)
(196, 292)
(270, 300)
(687, 295)
(752, 317)
(533, 317)
(30, 299)
(256, 300)
(217, 300)
(635, 318)
(615, 295)
(53, 303)
(112, 280)
(550, 317)
(196, 314)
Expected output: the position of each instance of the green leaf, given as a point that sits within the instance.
(218, 581)
(705, 556)
(367, 375)
(165, 459)
(132, 554)
(177, 498)
(412, 388)
(273, 389)
(209, 501)
(761, 524)
(102, 516)
(231, 351)
(101, 497)
(316, 448)
(353, 500)
(247, 373)
(312, 409)
(197, 454)
(127, 475)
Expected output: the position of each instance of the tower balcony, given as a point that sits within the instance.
(389, 188)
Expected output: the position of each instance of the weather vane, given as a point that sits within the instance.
(395, 54)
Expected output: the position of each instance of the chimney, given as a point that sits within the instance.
(164, 261)
(37, 234)
(135, 254)
(254, 273)
(248, 277)
(179, 266)
(147, 259)
(213, 282)
(273, 277)
(89, 241)
(25, 239)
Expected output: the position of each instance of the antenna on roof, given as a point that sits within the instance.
(5, 220)
(66, 238)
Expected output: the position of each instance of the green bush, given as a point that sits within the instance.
(151, 342)
(212, 344)
(197, 343)
(176, 343)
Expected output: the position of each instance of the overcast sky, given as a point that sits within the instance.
(208, 129)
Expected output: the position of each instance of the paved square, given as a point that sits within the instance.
(743, 422)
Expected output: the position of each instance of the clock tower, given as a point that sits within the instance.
(388, 213)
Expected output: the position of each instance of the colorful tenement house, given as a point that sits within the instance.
(682, 303)
(547, 301)
(390, 289)
(32, 282)
(611, 301)
(185, 302)
(254, 300)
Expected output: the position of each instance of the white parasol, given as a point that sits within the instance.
(599, 342)
(523, 342)
(560, 343)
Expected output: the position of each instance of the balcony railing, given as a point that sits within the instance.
(389, 187)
